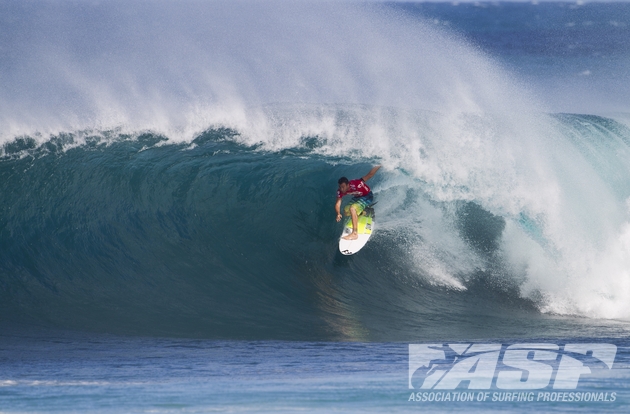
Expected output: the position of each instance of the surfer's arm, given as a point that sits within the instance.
(338, 209)
(371, 173)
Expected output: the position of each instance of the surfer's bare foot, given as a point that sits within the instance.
(351, 236)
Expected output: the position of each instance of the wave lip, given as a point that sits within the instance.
(176, 69)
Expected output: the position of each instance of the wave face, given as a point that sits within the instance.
(217, 238)
(172, 170)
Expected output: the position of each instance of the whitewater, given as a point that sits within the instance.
(168, 172)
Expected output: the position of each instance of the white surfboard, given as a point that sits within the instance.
(365, 230)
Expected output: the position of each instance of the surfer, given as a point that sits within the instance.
(362, 197)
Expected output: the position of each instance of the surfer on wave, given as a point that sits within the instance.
(362, 197)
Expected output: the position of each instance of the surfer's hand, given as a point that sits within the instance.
(338, 217)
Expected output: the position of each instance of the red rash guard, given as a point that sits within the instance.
(356, 188)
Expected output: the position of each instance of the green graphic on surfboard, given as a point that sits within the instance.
(365, 228)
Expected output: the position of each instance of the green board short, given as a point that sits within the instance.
(359, 203)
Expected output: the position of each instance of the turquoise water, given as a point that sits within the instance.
(168, 241)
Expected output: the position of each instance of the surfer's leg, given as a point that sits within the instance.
(355, 224)
(355, 219)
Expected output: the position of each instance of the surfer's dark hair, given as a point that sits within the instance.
(342, 180)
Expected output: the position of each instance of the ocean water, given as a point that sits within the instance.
(167, 234)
